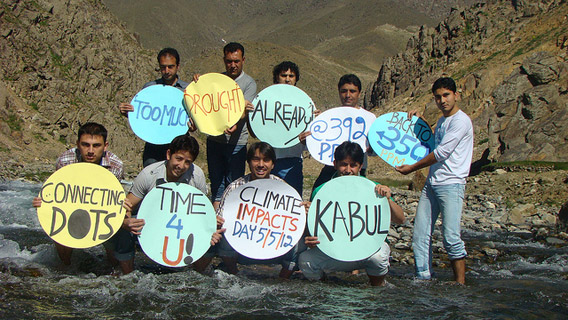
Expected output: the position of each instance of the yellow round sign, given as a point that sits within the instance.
(81, 205)
(215, 103)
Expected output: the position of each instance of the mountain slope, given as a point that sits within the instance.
(510, 62)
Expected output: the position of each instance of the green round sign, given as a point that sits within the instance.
(179, 221)
(350, 220)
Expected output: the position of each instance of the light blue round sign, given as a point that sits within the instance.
(281, 112)
(159, 115)
(179, 222)
(350, 220)
(399, 140)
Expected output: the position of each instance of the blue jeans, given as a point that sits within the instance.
(226, 163)
(290, 170)
(447, 200)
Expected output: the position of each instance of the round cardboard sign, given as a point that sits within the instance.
(350, 220)
(399, 140)
(179, 221)
(215, 103)
(281, 112)
(264, 218)
(159, 115)
(81, 205)
(335, 126)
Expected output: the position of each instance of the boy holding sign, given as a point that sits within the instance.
(178, 167)
(261, 159)
(290, 164)
(445, 186)
(349, 89)
(348, 161)
(226, 152)
(168, 62)
(92, 147)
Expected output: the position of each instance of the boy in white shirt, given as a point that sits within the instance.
(445, 186)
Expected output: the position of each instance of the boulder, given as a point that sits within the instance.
(541, 68)
(519, 214)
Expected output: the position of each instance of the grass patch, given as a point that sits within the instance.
(37, 176)
(34, 106)
(14, 122)
(526, 164)
(467, 29)
(39, 137)
(58, 62)
(531, 45)
(394, 183)
(483, 141)
(475, 66)
(62, 139)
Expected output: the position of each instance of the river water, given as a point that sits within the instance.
(528, 280)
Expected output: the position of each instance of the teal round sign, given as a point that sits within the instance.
(159, 115)
(350, 220)
(281, 112)
(179, 221)
(399, 140)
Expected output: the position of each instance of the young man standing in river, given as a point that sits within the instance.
(226, 153)
(444, 191)
(290, 163)
(168, 62)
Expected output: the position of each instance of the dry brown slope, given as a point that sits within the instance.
(342, 30)
(65, 63)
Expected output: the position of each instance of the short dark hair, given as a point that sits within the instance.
(232, 47)
(265, 150)
(169, 51)
(446, 83)
(349, 78)
(285, 66)
(185, 142)
(349, 149)
(93, 129)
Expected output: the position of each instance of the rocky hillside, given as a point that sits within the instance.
(64, 63)
(509, 59)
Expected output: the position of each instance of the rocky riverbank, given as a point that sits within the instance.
(520, 204)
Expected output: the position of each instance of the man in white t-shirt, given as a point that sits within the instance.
(444, 191)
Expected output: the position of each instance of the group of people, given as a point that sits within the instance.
(227, 154)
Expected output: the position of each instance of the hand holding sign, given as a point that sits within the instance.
(281, 113)
(399, 140)
(159, 115)
(349, 219)
(215, 103)
(179, 222)
(81, 205)
(335, 126)
(264, 218)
